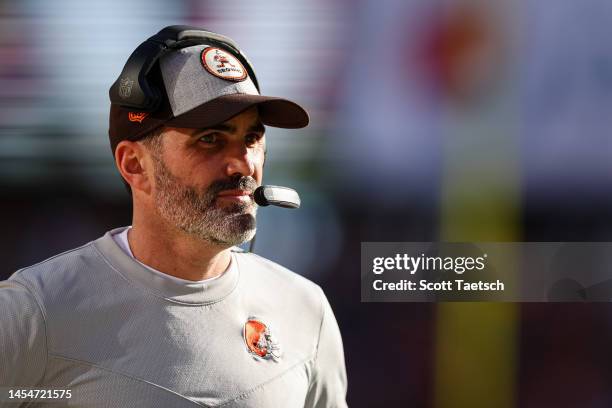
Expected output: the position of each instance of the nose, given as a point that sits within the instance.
(240, 162)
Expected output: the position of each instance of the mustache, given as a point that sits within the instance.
(236, 183)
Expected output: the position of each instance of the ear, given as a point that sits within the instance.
(134, 165)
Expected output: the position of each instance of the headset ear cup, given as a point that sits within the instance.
(151, 98)
(140, 84)
(133, 89)
(156, 96)
(152, 95)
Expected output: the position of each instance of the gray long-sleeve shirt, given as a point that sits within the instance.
(95, 321)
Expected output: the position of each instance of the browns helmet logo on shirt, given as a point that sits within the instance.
(260, 341)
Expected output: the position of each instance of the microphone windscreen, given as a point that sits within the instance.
(276, 195)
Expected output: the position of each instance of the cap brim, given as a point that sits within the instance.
(273, 111)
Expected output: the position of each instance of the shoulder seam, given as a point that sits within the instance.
(256, 255)
(262, 258)
(276, 266)
(322, 308)
(44, 317)
(53, 257)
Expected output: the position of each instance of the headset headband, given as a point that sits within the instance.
(134, 89)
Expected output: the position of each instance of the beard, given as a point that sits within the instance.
(197, 213)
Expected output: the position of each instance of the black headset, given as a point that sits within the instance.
(135, 88)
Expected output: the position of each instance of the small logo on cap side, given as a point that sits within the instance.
(137, 116)
(223, 65)
(125, 87)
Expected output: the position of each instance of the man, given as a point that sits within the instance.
(167, 312)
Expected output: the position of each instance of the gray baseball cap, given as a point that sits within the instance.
(204, 86)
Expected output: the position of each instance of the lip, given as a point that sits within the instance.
(234, 193)
(242, 196)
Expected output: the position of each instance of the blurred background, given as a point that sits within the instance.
(457, 120)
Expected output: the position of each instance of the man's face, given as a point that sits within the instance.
(205, 178)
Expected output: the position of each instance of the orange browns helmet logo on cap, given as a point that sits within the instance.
(222, 64)
(259, 340)
(137, 116)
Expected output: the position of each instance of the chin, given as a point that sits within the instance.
(247, 228)
(230, 240)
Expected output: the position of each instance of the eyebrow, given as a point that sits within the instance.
(224, 127)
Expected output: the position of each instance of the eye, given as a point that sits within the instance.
(252, 139)
(210, 138)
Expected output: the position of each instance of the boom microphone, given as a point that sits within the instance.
(275, 195)
(284, 197)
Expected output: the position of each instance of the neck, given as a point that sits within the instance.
(177, 253)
